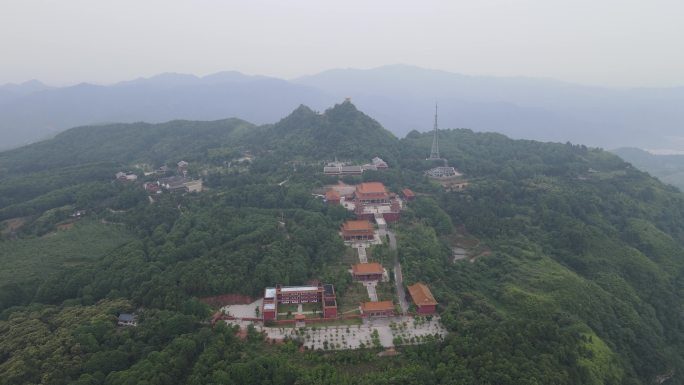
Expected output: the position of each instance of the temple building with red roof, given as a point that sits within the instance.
(377, 309)
(329, 301)
(332, 197)
(279, 295)
(371, 193)
(367, 271)
(408, 194)
(357, 230)
(423, 299)
(371, 200)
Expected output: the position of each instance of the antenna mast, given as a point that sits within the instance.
(434, 152)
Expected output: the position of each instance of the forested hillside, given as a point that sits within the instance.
(578, 280)
(125, 144)
(584, 243)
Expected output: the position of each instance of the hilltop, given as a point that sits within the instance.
(341, 131)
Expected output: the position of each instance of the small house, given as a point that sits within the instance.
(408, 194)
(183, 168)
(163, 170)
(379, 163)
(332, 197)
(126, 319)
(194, 185)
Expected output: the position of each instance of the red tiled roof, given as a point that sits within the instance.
(421, 295)
(371, 188)
(367, 268)
(357, 225)
(408, 193)
(377, 306)
(332, 195)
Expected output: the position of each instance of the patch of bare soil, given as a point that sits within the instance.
(12, 225)
(65, 225)
(219, 301)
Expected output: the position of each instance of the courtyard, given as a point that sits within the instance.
(381, 332)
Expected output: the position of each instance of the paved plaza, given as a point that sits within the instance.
(382, 332)
(243, 311)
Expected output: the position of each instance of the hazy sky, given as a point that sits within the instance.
(603, 42)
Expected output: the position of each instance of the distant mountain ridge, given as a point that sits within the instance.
(39, 115)
(178, 79)
(11, 91)
(400, 97)
(530, 108)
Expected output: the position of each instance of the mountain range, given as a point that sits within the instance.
(400, 97)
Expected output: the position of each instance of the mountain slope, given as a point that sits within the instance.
(125, 143)
(56, 170)
(580, 238)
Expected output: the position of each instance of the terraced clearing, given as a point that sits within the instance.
(35, 258)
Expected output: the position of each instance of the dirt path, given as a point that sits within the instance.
(363, 258)
(372, 293)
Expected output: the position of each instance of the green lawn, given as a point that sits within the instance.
(284, 308)
(350, 257)
(317, 315)
(385, 291)
(351, 298)
(34, 258)
(306, 307)
(311, 307)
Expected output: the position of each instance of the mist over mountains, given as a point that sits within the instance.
(400, 97)
(667, 168)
